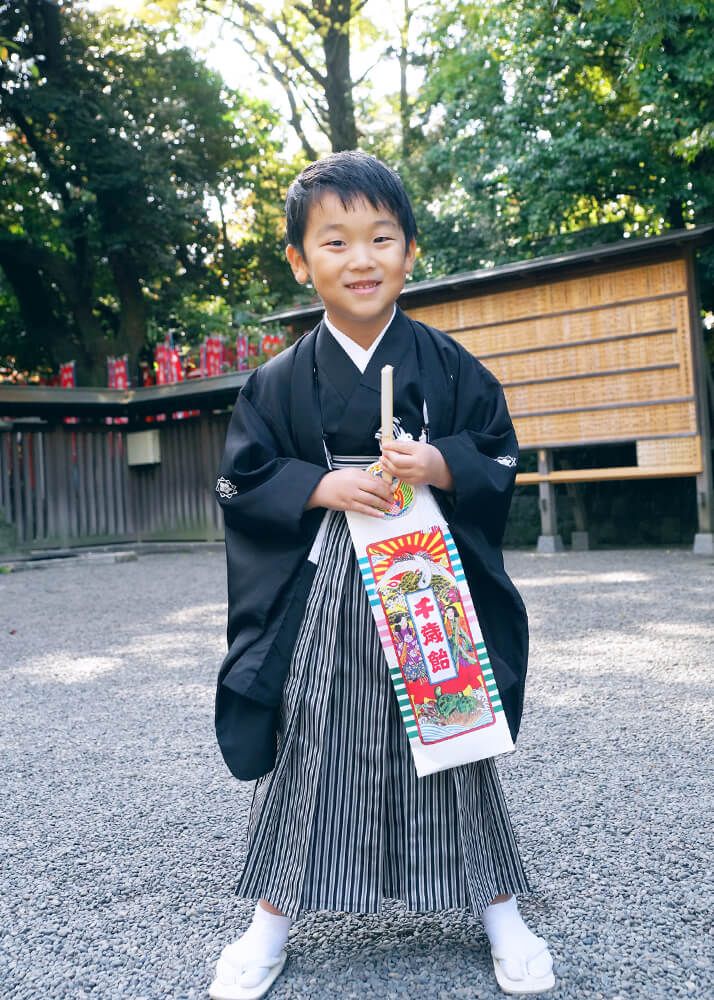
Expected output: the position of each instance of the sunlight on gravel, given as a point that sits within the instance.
(122, 833)
(69, 669)
(569, 579)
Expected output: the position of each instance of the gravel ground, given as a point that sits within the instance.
(122, 833)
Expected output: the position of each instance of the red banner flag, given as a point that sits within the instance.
(242, 352)
(214, 355)
(121, 372)
(272, 344)
(175, 366)
(67, 375)
(68, 380)
(118, 378)
(162, 362)
(146, 373)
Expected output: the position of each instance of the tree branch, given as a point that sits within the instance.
(317, 22)
(366, 73)
(277, 31)
(58, 181)
(319, 116)
(266, 64)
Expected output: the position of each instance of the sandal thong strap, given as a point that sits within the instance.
(231, 972)
(509, 962)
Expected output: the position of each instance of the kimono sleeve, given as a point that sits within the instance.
(481, 451)
(257, 484)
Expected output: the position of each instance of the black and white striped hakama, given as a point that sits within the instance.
(342, 822)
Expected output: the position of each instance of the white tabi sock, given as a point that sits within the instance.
(512, 941)
(259, 946)
(269, 932)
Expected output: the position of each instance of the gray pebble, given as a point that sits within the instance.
(123, 835)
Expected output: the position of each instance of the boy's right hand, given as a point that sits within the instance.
(352, 489)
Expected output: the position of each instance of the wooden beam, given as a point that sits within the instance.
(603, 475)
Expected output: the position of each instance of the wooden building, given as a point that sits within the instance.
(593, 347)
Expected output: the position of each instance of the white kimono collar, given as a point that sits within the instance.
(358, 355)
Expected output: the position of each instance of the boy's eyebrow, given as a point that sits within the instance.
(338, 225)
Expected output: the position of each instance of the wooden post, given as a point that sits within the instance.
(27, 477)
(704, 538)
(40, 512)
(579, 538)
(83, 483)
(7, 528)
(19, 520)
(61, 457)
(549, 540)
(208, 466)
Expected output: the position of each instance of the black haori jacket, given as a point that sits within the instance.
(275, 456)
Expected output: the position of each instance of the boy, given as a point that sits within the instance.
(304, 701)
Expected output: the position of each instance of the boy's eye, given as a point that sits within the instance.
(383, 239)
(335, 243)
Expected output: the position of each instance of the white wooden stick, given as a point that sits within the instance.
(387, 403)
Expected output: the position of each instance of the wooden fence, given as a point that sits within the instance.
(66, 485)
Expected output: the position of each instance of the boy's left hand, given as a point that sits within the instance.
(416, 463)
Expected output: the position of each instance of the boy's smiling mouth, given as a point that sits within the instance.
(363, 286)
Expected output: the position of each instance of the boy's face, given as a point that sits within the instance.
(357, 260)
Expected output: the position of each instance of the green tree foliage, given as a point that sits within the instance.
(551, 126)
(114, 143)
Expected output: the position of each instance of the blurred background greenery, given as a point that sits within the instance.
(145, 149)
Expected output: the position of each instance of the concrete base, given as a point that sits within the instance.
(580, 541)
(703, 544)
(549, 544)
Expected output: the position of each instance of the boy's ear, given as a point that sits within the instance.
(410, 256)
(298, 264)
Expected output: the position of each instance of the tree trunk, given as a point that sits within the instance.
(229, 290)
(338, 85)
(133, 315)
(44, 325)
(675, 213)
(35, 272)
(404, 106)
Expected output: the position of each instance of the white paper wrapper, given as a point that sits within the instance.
(430, 634)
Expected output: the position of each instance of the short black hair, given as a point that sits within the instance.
(350, 175)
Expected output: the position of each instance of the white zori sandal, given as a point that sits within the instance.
(239, 978)
(521, 976)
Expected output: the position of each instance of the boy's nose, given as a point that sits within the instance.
(362, 257)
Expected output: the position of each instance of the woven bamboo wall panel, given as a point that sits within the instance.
(616, 321)
(617, 424)
(588, 359)
(618, 338)
(670, 451)
(625, 388)
(620, 285)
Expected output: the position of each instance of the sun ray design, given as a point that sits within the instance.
(428, 544)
